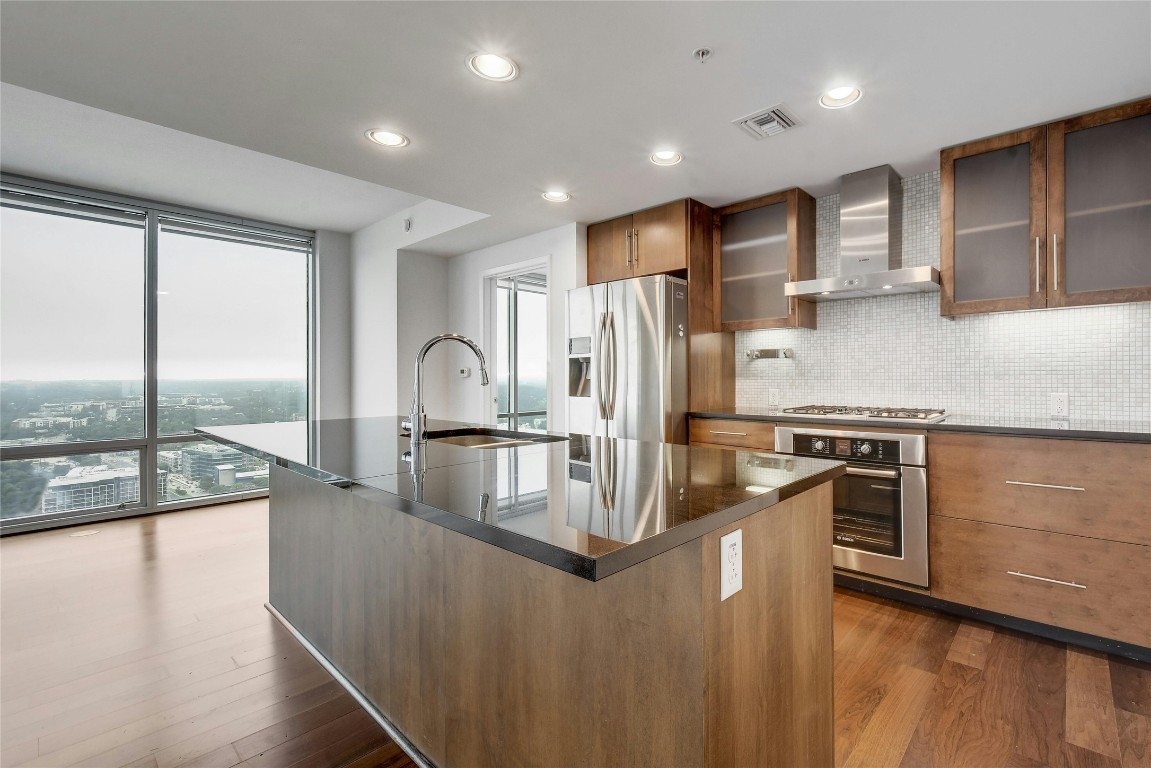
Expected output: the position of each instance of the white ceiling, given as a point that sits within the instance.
(601, 86)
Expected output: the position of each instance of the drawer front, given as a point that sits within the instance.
(1079, 487)
(1032, 575)
(733, 433)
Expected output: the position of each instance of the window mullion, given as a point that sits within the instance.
(149, 460)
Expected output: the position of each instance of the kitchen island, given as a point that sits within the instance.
(557, 601)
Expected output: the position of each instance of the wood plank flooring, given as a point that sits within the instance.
(147, 645)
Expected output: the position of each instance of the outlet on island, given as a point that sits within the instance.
(730, 564)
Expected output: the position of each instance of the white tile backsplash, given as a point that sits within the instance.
(898, 351)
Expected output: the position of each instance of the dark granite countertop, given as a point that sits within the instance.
(588, 506)
(1070, 429)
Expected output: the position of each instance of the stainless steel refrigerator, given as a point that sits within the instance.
(627, 359)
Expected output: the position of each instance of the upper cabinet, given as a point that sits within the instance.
(648, 242)
(762, 244)
(1099, 207)
(1054, 216)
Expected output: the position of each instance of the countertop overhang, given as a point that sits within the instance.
(588, 506)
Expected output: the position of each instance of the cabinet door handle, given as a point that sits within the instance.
(1055, 257)
(1037, 265)
(790, 299)
(736, 434)
(635, 245)
(627, 247)
(1049, 581)
(1047, 485)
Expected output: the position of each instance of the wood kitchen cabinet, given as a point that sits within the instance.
(761, 244)
(649, 242)
(732, 433)
(1054, 531)
(1052, 216)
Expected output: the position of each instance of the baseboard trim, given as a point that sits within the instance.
(393, 732)
(1058, 634)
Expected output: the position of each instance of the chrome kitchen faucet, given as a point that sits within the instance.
(418, 420)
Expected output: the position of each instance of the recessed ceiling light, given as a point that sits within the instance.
(666, 157)
(556, 196)
(886, 287)
(492, 66)
(843, 96)
(388, 138)
(825, 293)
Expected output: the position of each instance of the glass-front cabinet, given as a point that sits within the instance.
(761, 245)
(1099, 168)
(1058, 215)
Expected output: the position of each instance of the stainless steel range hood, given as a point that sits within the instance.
(870, 243)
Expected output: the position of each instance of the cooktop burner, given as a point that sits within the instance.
(927, 415)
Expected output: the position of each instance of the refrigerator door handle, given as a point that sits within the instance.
(614, 363)
(601, 343)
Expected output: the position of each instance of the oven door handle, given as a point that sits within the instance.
(892, 474)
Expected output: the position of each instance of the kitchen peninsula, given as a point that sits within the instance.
(557, 601)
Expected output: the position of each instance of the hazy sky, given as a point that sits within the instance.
(72, 304)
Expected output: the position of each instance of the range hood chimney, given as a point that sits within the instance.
(870, 243)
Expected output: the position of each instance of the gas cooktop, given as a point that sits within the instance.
(925, 415)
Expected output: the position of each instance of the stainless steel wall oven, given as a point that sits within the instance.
(880, 522)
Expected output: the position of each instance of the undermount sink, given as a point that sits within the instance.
(483, 437)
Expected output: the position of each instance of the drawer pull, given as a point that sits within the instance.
(718, 432)
(891, 474)
(1049, 581)
(1045, 485)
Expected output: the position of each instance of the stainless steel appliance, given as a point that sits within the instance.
(870, 243)
(627, 359)
(841, 412)
(880, 518)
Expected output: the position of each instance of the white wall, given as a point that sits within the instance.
(422, 302)
(375, 283)
(562, 250)
(333, 325)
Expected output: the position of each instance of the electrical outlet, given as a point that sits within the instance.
(773, 397)
(1058, 424)
(730, 564)
(465, 372)
(1059, 405)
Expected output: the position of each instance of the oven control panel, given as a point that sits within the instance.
(847, 448)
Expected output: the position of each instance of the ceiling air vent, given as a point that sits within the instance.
(767, 122)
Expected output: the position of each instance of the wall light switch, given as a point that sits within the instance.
(465, 373)
(730, 564)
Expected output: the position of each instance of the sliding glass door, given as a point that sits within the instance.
(521, 351)
(123, 327)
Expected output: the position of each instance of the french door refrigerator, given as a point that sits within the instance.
(627, 359)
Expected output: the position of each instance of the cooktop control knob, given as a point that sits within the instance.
(819, 445)
(865, 448)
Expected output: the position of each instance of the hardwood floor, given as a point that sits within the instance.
(147, 644)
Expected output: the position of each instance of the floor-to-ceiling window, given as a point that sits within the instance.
(521, 350)
(124, 325)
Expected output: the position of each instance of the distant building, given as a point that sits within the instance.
(99, 486)
(201, 459)
(173, 461)
(50, 422)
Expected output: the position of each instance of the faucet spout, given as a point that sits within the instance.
(419, 419)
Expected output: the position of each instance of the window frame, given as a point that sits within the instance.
(513, 414)
(152, 442)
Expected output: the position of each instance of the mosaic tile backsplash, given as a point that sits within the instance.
(898, 351)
